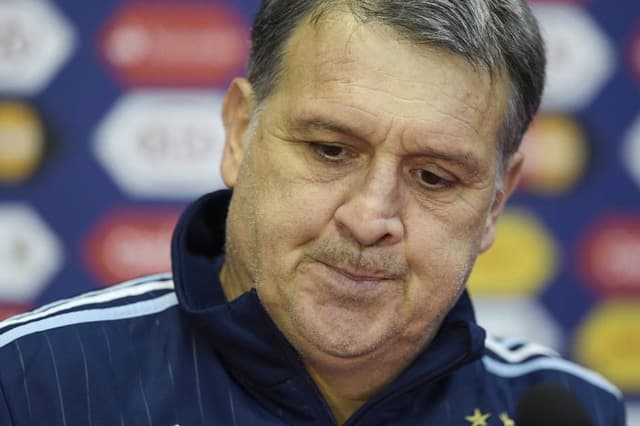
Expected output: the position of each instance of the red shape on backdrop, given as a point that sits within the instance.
(7, 311)
(175, 43)
(130, 243)
(609, 256)
(633, 53)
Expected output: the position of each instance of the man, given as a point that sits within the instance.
(370, 151)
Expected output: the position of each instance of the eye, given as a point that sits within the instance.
(330, 152)
(431, 180)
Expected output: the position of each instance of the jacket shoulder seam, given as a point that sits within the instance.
(131, 299)
(526, 358)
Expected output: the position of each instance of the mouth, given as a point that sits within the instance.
(360, 276)
(357, 279)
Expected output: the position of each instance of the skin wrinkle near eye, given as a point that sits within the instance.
(465, 164)
(471, 208)
(469, 178)
(311, 168)
(471, 173)
(330, 125)
(466, 100)
(467, 160)
(337, 126)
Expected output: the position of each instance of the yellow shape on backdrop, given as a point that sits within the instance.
(609, 342)
(522, 260)
(21, 141)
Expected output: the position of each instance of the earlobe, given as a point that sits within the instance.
(236, 117)
(510, 182)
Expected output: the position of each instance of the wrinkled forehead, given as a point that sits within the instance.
(337, 42)
(372, 62)
(427, 29)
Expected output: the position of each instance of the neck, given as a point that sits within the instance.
(230, 286)
(341, 406)
(347, 384)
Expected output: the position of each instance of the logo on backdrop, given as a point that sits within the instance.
(22, 142)
(130, 243)
(580, 57)
(609, 255)
(608, 342)
(556, 155)
(175, 43)
(522, 260)
(163, 145)
(30, 254)
(35, 41)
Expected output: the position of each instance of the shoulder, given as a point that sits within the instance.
(132, 299)
(513, 358)
(107, 353)
(516, 365)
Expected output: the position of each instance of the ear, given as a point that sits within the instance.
(509, 184)
(236, 116)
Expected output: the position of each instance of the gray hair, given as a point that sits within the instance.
(501, 36)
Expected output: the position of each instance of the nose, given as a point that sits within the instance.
(371, 212)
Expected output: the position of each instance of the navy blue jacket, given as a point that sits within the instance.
(169, 350)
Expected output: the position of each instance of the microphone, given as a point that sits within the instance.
(550, 405)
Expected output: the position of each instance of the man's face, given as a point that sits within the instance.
(366, 189)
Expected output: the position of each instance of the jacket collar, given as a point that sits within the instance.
(243, 335)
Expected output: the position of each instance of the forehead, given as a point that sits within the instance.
(370, 71)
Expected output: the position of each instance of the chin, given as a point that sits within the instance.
(341, 332)
(339, 347)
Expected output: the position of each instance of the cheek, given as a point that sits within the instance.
(445, 230)
(290, 214)
(290, 218)
(464, 218)
(440, 250)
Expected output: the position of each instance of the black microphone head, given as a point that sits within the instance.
(548, 404)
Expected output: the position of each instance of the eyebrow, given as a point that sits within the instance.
(322, 124)
(465, 161)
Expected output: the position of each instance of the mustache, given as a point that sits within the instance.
(351, 256)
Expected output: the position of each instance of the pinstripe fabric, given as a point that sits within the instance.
(5, 415)
(105, 369)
